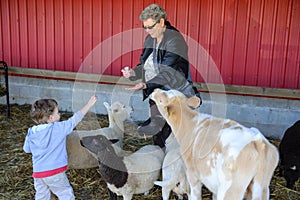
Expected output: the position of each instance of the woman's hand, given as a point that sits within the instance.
(139, 86)
(127, 72)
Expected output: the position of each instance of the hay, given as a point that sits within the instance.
(16, 168)
(2, 90)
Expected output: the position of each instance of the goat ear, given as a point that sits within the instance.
(162, 99)
(114, 141)
(194, 101)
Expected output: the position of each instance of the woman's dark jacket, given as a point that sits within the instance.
(172, 62)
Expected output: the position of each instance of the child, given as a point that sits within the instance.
(47, 144)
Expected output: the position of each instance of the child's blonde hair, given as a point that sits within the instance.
(42, 109)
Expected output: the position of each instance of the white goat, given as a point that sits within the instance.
(173, 171)
(79, 157)
(126, 175)
(231, 160)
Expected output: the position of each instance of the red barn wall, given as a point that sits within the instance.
(238, 42)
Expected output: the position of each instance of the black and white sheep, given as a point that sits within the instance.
(289, 151)
(126, 175)
(79, 157)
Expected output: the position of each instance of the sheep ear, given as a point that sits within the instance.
(114, 141)
(107, 106)
(194, 101)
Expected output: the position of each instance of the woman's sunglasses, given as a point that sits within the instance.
(150, 27)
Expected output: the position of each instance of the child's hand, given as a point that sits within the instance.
(92, 100)
(89, 104)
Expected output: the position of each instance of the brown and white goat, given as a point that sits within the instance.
(232, 161)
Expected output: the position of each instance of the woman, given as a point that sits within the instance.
(163, 64)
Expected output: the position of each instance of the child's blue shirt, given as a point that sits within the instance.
(47, 143)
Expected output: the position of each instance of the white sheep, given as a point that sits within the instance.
(79, 157)
(126, 175)
(171, 143)
(173, 171)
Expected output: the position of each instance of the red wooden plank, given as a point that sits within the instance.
(298, 67)
(138, 34)
(117, 37)
(230, 20)
(14, 30)
(251, 68)
(41, 35)
(204, 57)
(97, 36)
(107, 33)
(59, 35)
(32, 32)
(192, 38)
(171, 9)
(146, 3)
(1, 36)
(266, 46)
(87, 36)
(195, 7)
(162, 3)
(292, 67)
(182, 11)
(297, 10)
(216, 41)
(280, 42)
(259, 45)
(77, 34)
(6, 41)
(240, 53)
(68, 34)
(50, 40)
(127, 41)
(23, 33)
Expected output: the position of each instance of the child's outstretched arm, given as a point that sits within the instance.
(89, 104)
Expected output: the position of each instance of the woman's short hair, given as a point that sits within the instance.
(153, 11)
(42, 109)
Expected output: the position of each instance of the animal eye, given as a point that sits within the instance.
(177, 184)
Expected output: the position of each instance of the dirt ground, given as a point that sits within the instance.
(15, 165)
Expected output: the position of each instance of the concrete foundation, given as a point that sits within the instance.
(272, 116)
